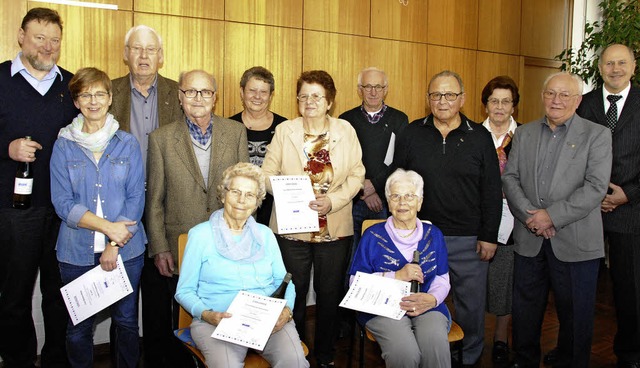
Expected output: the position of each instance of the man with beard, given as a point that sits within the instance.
(35, 102)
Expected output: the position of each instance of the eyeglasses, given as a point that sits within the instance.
(496, 102)
(312, 98)
(409, 197)
(138, 50)
(551, 95)
(192, 93)
(369, 87)
(100, 96)
(249, 196)
(449, 96)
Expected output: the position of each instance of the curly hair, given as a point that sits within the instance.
(246, 170)
(501, 82)
(318, 77)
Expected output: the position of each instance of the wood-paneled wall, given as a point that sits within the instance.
(477, 38)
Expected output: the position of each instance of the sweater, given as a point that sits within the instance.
(24, 111)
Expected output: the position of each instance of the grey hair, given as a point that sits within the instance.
(372, 69)
(404, 176)
(183, 75)
(245, 170)
(631, 54)
(447, 73)
(576, 79)
(142, 27)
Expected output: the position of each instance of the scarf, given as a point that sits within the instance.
(247, 247)
(94, 142)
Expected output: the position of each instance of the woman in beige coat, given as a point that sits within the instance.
(326, 149)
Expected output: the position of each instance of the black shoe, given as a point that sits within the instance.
(552, 356)
(326, 365)
(500, 352)
(627, 364)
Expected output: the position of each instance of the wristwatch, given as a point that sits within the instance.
(114, 244)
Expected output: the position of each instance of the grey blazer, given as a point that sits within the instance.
(578, 185)
(169, 109)
(177, 196)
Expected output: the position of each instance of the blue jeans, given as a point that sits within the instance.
(124, 313)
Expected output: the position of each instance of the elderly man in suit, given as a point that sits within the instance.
(185, 164)
(556, 177)
(617, 106)
(143, 100)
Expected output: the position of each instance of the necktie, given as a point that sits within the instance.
(612, 113)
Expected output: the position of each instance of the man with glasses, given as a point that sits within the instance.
(186, 160)
(462, 196)
(34, 101)
(143, 100)
(555, 179)
(378, 127)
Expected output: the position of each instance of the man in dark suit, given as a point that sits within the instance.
(554, 181)
(617, 106)
(143, 101)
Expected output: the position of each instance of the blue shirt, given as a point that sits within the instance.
(144, 115)
(76, 181)
(209, 281)
(40, 85)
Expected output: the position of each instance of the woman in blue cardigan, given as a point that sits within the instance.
(419, 338)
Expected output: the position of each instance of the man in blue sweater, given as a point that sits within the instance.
(34, 101)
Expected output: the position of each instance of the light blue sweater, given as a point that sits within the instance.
(209, 281)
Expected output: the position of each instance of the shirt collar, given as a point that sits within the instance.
(624, 93)
(17, 66)
(152, 87)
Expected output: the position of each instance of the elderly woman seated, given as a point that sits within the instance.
(419, 339)
(229, 253)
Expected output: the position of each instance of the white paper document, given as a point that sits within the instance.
(254, 317)
(292, 194)
(388, 158)
(506, 223)
(94, 291)
(376, 295)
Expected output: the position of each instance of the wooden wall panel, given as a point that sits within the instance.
(209, 9)
(545, 26)
(340, 16)
(460, 61)
(531, 91)
(488, 66)
(453, 23)
(499, 26)
(11, 13)
(286, 13)
(277, 49)
(391, 19)
(183, 51)
(90, 39)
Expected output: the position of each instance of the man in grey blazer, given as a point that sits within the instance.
(185, 165)
(143, 100)
(621, 207)
(556, 177)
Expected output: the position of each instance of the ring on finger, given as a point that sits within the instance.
(414, 309)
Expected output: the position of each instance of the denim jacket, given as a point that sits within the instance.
(76, 182)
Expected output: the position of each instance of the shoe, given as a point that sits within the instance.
(628, 364)
(326, 365)
(552, 356)
(500, 352)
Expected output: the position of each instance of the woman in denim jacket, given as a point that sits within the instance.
(97, 189)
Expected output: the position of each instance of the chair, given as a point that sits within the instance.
(455, 333)
(183, 333)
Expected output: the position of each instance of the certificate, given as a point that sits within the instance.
(252, 321)
(94, 291)
(506, 223)
(376, 295)
(292, 194)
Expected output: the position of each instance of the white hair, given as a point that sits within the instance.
(576, 79)
(404, 176)
(372, 69)
(142, 27)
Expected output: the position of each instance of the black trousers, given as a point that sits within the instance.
(27, 244)
(329, 262)
(159, 318)
(624, 260)
(574, 289)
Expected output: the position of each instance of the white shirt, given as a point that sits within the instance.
(620, 103)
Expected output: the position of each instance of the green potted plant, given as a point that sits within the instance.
(620, 24)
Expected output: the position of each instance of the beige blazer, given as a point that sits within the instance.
(169, 109)
(177, 196)
(285, 157)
